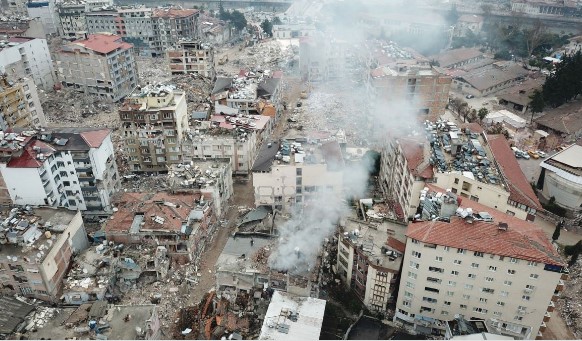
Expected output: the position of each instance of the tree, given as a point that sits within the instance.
(455, 104)
(464, 111)
(534, 36)
(238, 20)
(453, 15)
(222, 14)
(483, 112)
(557, 231)
(267, 27)
(472, 116)
(277, 21)
(537, 103)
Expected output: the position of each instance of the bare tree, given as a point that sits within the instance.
(534, 36)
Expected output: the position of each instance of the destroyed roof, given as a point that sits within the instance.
(291, 317)
(519, 187)
(12, 313)
(333, 155)
(173, 13)
(140, 212)
(522, 239)
(474, 127)
(452, 57)
(491, 75)
(521, 92)
(257, 214)
(564, 119)
(122, 330)
(266, 157)
(28, 158)
(414, 152)
(238, 251)
(221, 84)
(396, 244)
(267, 87)
(81, 139)
(102, 43)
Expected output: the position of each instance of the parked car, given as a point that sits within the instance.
(533, 154)
(469, 96)
(541, 153)
(525, 155)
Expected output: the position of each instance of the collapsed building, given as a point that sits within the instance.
(182, 223)
(191, 57)
(36, 251)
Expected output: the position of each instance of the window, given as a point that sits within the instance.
(457, 262)
(518, 318)
(525, 297)
(472, 276)
(447, 302)
(497, 313)
(411, 275)
(501, 304)
(408, 294)
(469, 286)
(461, 251)
(504, 293)
(432, 289)
(492, 268)
(435, 269)
(530, 287)
(489, 279)
(474, 265)
(444, 312)
(414, 241)
(299, 171)
(478, 254)
(511, 272)
(531, 263)
(488, 290)
(534, 276)
(463, 306)
(439, 259)
(506, 282)
(406, 303)
(522, 308)
(513, 260)
(483, 300)
(429, 299)
(466, 297)
(447, 248)
(450, 293)
(410, 285)
(433, 280)
(452, 283)
(414, 265)
(455, 273)
(416, 254)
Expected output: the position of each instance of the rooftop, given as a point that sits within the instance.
(197, 174)
(502, 235)
(173, 13)
(101, 43)
(240, 254)
(472, 18)
(567, 163)
(122, 330)
(291, 317)
(519, 187)
(31, 234)
(488, 76)
(451, 57)
(563, 119)
(12, 313)
(520, 93)
(247, 85)
(154, 213)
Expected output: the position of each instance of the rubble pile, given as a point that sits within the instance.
(41, 316)
(570, 303)
(265, 55)
(70, 108)
(262, 255)
(143, 182)
(197, 89)
(152, 70)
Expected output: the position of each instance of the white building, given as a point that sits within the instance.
(291, 317)
(292, 31)
(287, 174)
(478, 263)
(28, 57)
(72, 168)
(45, 11)
(561, 178)
(507, 118)
(101, 65)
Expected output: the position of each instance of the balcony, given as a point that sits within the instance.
(543, 327)
(551, 307)
(81, 159)
(560, 286)
(547, 317)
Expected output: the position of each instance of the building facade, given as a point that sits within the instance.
(509, 279)
(28, 57)
(191, 57)
(45, 11)
(35, 258)
(100, 65)
(71, 20)
(154, 122)
(20, 106)
(73, 168)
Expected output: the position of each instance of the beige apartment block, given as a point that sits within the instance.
(19, 104)
(154, 121)
(191, 57)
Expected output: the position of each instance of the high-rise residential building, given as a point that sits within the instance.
(37, 250)
(424, 88)
(19, 104)
(45, 11)
(192, 57)
(73, 168)
(100, 65)
(173, 24)
(71, 19)
(154, 121)
(478, 263)
(28, 57)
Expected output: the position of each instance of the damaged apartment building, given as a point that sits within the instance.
(476, 166)
(154, 121)
(322, 57)
(20, 106)
(152, 30)
(290, 172)
(191, 57)
(465, 258)
(251, 93)
(182, 223)
(36, 248)
(73, 168)
(27, 57)
(100, 65)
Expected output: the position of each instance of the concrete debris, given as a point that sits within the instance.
(570, 302)
(266, 54)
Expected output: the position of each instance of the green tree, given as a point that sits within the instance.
(537, 103)
(267, 27)
(452, 15)
(277, 21)
(222, 14)
(557, 231)
(238, 20)
(483, 112)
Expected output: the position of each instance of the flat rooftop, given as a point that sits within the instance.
(291, 317)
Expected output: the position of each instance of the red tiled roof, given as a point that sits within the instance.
(96, 137)
(151, 206)
(396, 244)
(20, 39)
(28, 157)
(413, 151)
(523, 239)
(173, 13)
(103, 43)
(474, 127)
(519, 188)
